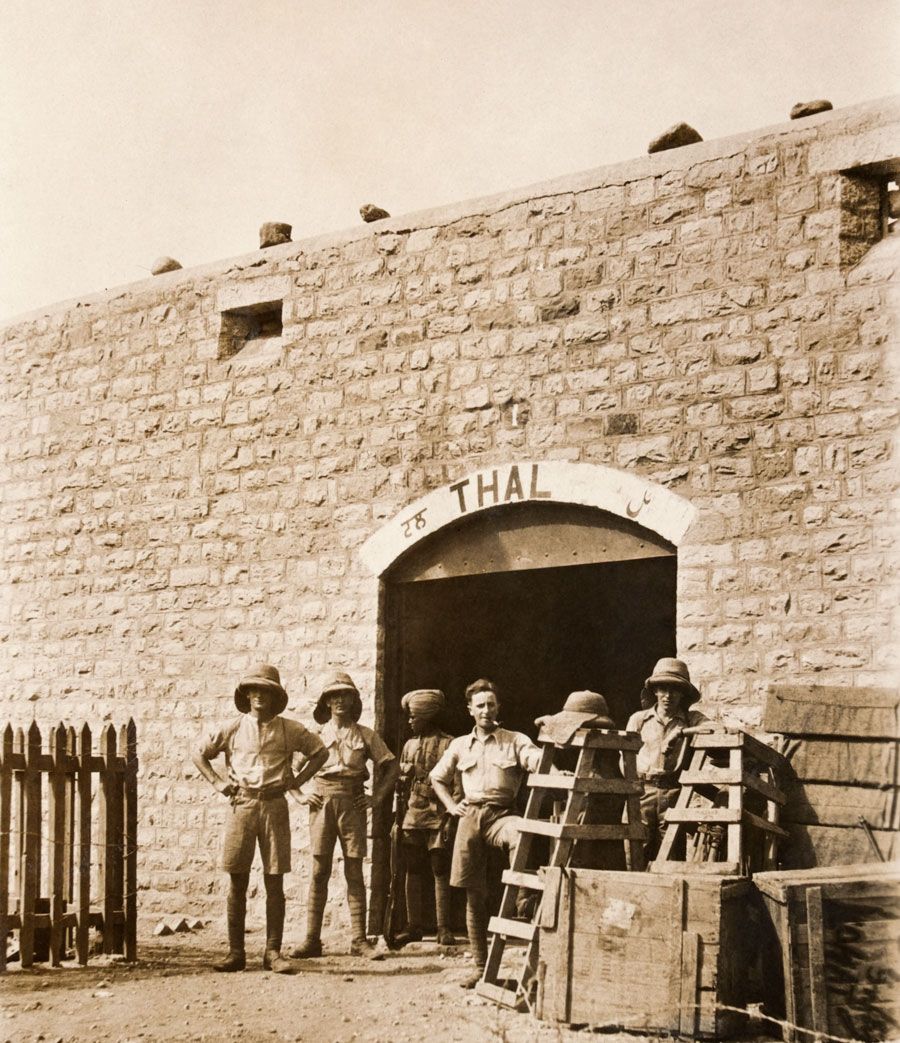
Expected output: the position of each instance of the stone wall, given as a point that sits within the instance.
(715, 319)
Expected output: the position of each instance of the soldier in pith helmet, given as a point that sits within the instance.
(666, 698)
(337, 808)
(258, 746)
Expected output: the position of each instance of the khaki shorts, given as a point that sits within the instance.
(423, 839)
(338, 818)
(252, 821)
(481, 827)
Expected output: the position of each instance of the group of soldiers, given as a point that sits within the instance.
(471, 781)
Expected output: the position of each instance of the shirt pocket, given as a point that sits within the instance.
(503, 772)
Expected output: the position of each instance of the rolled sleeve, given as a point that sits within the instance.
(445, 769)
(213, 743)
(376, 746)
(527, 754)
(302, 740)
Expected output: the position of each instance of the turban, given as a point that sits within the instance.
(423, 702)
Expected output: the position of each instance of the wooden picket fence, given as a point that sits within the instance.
(51, 853)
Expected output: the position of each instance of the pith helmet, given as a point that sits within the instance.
(261, 676)
(338, 682)
(580, 710)
(669, 672)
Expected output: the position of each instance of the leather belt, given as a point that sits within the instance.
(263, 793)
(662, 779)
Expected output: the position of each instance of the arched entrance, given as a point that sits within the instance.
(546, 577)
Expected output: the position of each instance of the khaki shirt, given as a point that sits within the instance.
(491, 769)
(258, 754)
(349, 750)
(420, 754)
(661, 741)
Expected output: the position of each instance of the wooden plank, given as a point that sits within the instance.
(56, 820)
(737, 740)
(714, 869)
(689, 1008)
(606, 740)
(816, 961)
(563, 1001)
(587, 785)
(714, 776)
(735, 843)
(512, 928)
(83, 787)
(31, 871)
(130, 842)
(832, 710)
(511, 998)
(763, 824)
(699, 814)
(552, 879)
(809, 846)
(822, 804)
(781, 885)
(6, 778)
(577, 831)
(859, 762)
(518, 879)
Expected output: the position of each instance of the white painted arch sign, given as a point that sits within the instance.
(650, 505)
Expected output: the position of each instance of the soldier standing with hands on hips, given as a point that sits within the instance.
(258, 747)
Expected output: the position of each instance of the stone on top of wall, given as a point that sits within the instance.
(675, 137)
(274, 233)
(369, 212)
(810, 108)
(165, 264)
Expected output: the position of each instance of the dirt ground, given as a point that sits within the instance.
(170, 994)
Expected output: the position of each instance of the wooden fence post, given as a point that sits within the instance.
(5, 820)
(83, 784)
(129, 748)
(59, 766)
(111, 818)
(31, 871)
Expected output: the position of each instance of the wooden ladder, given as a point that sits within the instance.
(567, 828)
(713, 801)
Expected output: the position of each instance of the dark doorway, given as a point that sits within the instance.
(544, 599)
(538, 634)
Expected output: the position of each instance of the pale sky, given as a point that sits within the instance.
(134, 129)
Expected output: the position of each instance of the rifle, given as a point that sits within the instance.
(393, 923)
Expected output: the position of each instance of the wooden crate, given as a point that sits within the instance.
(839, 933)
(647, 952)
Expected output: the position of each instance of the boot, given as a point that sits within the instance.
(236, 913)
(234, 961)
(278, 964)
(363, 947)
(411, 934)
(309, 948)
(473, 979)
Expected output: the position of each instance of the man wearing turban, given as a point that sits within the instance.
(421, 835)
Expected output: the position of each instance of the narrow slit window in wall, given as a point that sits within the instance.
(257, 325)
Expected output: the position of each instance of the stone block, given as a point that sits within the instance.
(676, 136)
(809, 108)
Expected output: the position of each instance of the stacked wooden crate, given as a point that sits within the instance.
(839, 931)
(842, 748)
(646, 952)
